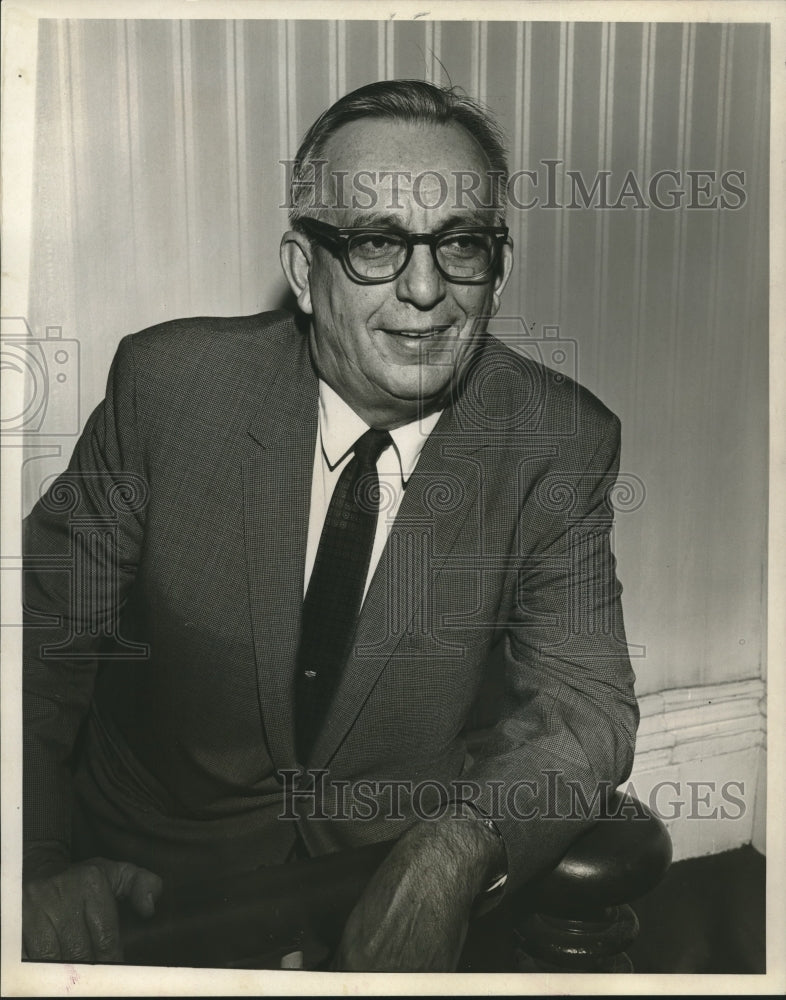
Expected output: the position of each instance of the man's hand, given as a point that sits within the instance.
(414, 913)
(72, 916)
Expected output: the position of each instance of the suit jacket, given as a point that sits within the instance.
(164, 586)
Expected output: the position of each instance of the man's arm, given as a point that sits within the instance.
(568, 729)
(413, 914)
(572, 713)
(81, 544)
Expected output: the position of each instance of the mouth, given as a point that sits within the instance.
(413, 334)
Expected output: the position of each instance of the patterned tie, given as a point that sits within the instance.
(335, 590)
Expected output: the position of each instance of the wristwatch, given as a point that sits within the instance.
(500, 877)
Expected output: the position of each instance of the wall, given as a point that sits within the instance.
(157, 194)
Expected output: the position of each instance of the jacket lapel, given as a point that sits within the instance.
(438, 498)
(277, 491)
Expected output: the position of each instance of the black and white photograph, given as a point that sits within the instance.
(392, 533)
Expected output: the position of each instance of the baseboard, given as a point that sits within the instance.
(700, 764)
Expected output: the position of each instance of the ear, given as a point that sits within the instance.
(295, 253)
(505, 268)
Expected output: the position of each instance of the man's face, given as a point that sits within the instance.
(385, 347)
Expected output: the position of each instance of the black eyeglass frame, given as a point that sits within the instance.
(338, 239)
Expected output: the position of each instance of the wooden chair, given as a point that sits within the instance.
(576, 918)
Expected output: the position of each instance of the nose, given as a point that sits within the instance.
(420, 283)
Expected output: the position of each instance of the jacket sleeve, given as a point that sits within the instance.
(81, 544)
(569, 726)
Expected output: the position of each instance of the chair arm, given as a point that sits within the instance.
(577, 917)
(569, 918)
(253, 919)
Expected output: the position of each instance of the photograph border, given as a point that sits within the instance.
(19, 41)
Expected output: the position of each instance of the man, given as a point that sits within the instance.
(232, 642)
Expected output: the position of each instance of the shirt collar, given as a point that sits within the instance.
(340, 427)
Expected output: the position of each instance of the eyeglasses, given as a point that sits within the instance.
(467, 256)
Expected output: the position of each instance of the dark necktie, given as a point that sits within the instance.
(335, 590)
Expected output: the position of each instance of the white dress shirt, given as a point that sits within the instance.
(339, 429)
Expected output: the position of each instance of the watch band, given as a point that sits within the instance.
(499, 878)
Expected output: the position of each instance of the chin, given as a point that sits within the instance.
(417, 392)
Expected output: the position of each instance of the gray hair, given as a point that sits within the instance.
(408, 101)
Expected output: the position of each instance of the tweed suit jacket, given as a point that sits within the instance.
(164, 584)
